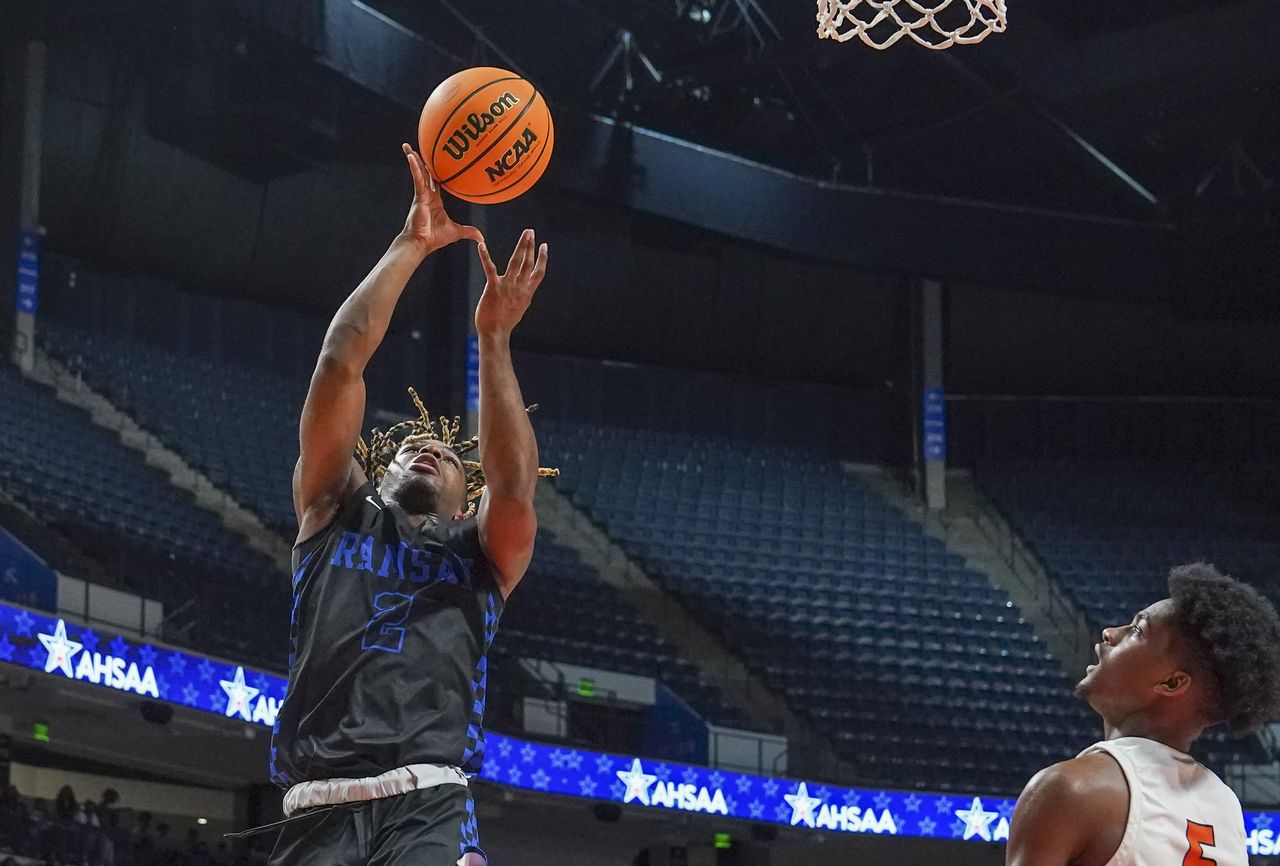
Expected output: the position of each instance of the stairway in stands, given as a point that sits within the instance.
(866, 625)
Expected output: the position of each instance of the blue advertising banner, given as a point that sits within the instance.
(28, 272)
(54, 646)
(24, 577)
(935, 424)
(58, 648)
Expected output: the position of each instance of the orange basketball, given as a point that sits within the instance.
(486, 134)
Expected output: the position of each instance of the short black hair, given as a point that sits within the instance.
(1233, 631)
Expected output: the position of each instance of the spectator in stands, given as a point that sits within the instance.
(142, 840)
(195, 851)
(94, 844)
(14, 821)
(412, 496)
(117, 839)
(60, 837)
(1207, 655)
(107, 804)
(165, 851)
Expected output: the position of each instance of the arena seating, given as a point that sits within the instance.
(239, 426)
(1110, 531)
(151, 538)
(921, 672)
(562, 611)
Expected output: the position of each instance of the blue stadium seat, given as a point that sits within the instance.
(844, 606)
(1109, 531)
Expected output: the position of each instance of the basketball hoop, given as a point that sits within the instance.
(935, 24)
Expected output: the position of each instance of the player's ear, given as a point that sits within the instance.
(1175, 684)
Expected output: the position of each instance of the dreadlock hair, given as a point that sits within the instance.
(376, 455)
(1233, 632)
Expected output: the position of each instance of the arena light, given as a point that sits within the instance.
(66, 650)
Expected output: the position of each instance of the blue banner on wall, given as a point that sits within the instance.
(58, 648)
(473, 373)
(935, 424)
(53, 645)
(28, 272)
(24, 577)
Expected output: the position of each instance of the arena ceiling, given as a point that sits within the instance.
(1146, 133)
(1143, 109)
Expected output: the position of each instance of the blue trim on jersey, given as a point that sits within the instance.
(277, 776)
(473, 756)
(469, 830)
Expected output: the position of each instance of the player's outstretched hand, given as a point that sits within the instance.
(507, 296)
(427, 223)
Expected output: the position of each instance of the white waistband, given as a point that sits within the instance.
(332, 792)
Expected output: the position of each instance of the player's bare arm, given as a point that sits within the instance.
(1070, 814)
(334, 408)
(508, 449)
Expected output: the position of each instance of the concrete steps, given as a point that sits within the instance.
(973, 528)
(71, 389)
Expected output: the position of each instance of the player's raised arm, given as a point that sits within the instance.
(334, 408)
(508, 449)
(1071, 814)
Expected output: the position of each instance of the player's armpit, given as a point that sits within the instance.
(1071, 814)
(508, 526)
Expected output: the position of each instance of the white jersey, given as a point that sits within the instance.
(1179, 811)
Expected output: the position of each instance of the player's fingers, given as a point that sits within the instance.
(415, 169)
(530, 252)
(539, 268)
(471, 233)
(490, 272)
(519, 254)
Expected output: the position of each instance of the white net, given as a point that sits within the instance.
(938, 24)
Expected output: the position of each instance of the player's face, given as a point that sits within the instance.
(426, 477)
(1134, 661)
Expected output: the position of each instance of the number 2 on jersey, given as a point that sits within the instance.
(1198, 835)
(385, 631)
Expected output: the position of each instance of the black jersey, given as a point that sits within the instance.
(389, 632)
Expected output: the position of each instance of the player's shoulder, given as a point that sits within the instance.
(356, 508)
(1093, 780)
(1076, 811)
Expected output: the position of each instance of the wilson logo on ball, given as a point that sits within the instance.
(512, 157)
(486, 134)
(457, 144)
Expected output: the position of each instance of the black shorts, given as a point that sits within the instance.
(429, 827)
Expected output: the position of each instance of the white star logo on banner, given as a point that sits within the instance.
(637, 782)
(801, 805)
(239, 695)
(60, 648)
(977, 821)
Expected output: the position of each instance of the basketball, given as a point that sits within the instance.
(486, 135)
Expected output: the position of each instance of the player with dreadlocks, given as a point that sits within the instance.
(1208, 654)
(398, 581)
